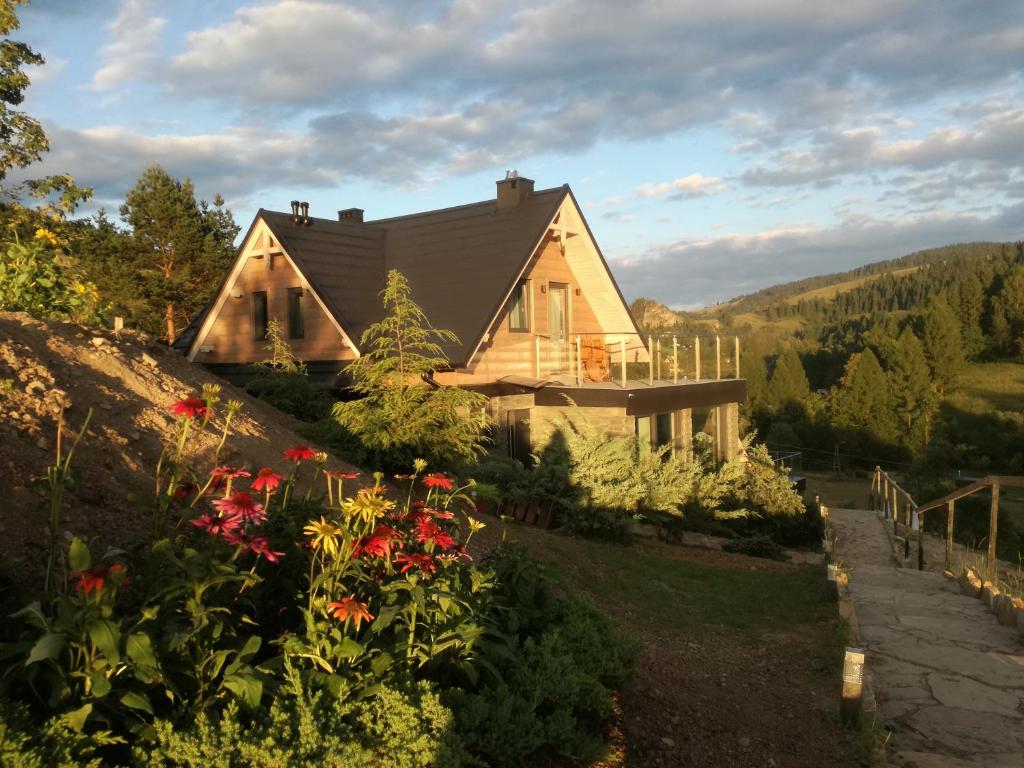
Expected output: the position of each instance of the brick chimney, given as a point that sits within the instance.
(351, 215)
(512, 189)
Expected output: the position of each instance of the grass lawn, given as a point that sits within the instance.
(741, 656)
(986, 387)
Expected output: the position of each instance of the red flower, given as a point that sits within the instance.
(260, 547)
(184, 490)
(350, 608)
(419, 504)
(94, 579)
(242, 506)
(380, 542)
(299, 452)
(428, 532)
(340, 475)
(216, 526)
(190, 407)
(437, 480)
(266, 479)
(229, 473)
(423, 562)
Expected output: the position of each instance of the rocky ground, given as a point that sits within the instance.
(129, 381)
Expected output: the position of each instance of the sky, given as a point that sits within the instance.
(716, 147)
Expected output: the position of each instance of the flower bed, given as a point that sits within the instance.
(262, 604)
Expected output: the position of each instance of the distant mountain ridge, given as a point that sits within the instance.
(906, 282)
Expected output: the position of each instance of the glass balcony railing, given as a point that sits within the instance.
(630, 359)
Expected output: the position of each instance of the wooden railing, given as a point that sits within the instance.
(886, 495)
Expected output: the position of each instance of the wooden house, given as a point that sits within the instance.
(518, 277)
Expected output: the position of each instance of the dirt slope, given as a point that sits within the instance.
(129, 381)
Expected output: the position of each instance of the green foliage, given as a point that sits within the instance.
(283, 381)
(559, 660)
(862, 407)
(393, 728)
(759, 545)
(179, 248)
(53, 744)
(789, 388)
(38, 279)
(399, 409)
(762, 488)
(943, 346)
(1008, 312)
(913, 394)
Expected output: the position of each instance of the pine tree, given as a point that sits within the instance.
(862, 400)
(1008, 313)
(789, 383)
(943, 346)
(180, 248)
(752, 368)
(912, 388)
(398, 409)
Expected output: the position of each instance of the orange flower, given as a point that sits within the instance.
(350, 608)
(94, 579)
(266, 479)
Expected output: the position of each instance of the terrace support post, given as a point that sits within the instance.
(895, 512)
(650, 360)
(675, 361)
(993, 529)
(579, 361)
(949, 534)
(657, 348)
(686, 433)
(920, 540)
(718, 357)
(537, 354)
(622, 349)
(696, 357)
(736, 339)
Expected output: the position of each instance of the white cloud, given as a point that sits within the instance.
(133, 53)
(693, 185)
(49, 70)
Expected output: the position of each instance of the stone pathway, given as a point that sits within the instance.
(947, 677)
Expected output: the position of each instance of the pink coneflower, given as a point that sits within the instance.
(184, 490)
(299, 453)
(260, 547)
(229, 473)
(437, 480)
(242, 505)
(217, 525)
(337, 474)
(190, 407)
(266, 480)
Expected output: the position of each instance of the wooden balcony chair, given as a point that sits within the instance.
(594, 357)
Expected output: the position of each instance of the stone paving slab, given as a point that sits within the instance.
(947, 677)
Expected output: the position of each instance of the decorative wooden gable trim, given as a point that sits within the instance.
(260, 243)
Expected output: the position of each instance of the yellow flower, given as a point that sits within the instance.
(419, 465)
(474, 524)
(45, 234)
(320, 457)
(325, 534)
(367, 506)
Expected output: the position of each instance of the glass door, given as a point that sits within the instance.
(558, 326)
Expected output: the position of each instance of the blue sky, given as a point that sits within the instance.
(716, 148)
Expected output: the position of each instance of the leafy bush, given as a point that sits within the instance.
(53, 744)
(37, 279)
(395, 728)
(756, 546)
(558, 658)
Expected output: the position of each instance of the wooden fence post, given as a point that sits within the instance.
(675, 361)
(718, 357)
(993, 528)
(650, 360)
(895, 512)
(696, 356)
(737, 339)
(920, 540)
(657, 346)
(949, 535)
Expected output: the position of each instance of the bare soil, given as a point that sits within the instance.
(129, 382)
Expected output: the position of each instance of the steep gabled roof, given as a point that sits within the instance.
(461, 262)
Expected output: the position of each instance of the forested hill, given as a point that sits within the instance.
(968, 276)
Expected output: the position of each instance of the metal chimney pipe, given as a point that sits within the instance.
(295, 211)
(305, 212)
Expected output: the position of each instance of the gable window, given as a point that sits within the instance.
(519, 308)
(259, 315)
(296, 314)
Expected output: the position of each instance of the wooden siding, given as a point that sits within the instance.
(231, 332)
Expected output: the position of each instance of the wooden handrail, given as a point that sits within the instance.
(993, 482)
